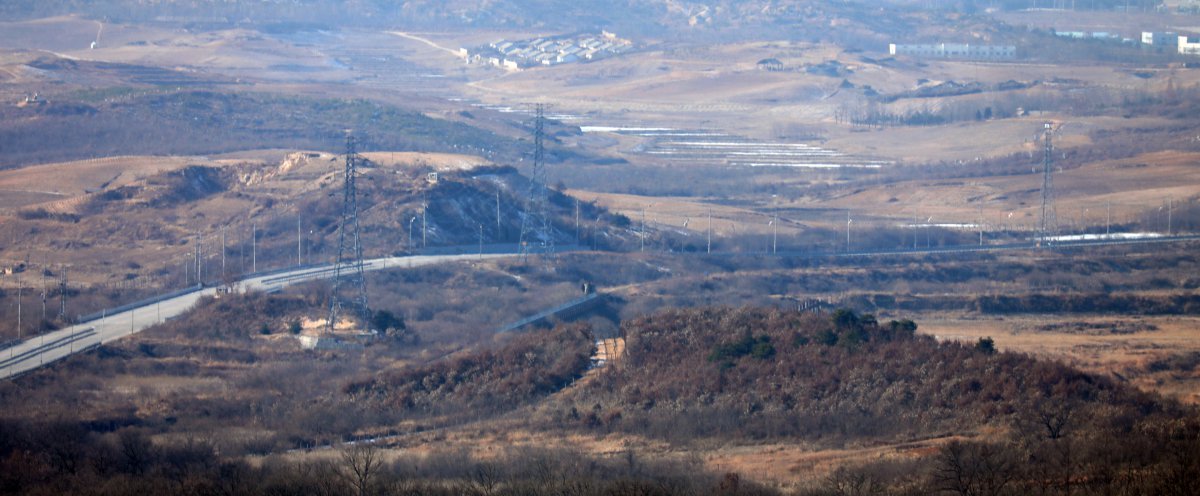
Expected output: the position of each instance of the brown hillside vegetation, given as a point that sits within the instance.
(528, 367)
(736, 376)
(769, 374)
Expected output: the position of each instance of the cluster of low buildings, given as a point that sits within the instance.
(1184, 44)
(522, 54)
(1162, 41)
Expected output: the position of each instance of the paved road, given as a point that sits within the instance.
(54, 346)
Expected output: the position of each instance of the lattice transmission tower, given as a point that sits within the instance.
(1049, 217)
(348, 270)
(536, 231)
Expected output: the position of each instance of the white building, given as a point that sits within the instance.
(955, 51)
(1166, 39)
(1189, 45)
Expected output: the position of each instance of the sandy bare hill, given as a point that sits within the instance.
(84, 176)
(56, 33)
(236, 52)
(439, 161)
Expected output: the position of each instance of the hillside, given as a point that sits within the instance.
(152, 121)
(765, 374)
(654, 18)
(527, 368)
(703, 382)
(144, 219)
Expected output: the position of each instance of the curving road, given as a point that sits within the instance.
(48, 348)
(51, 347)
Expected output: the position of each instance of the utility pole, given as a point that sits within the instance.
(222, 253)
(595, 232)
(916, 232)
(643, 236)
(775, 235)
(19, 305)
(45, 289)
(411, 243)
(253, 248)
(62, 294)
(1170, 206)
(848, 221)
(481, 241)
(199, 276)
(424, 222)
(1108, 218)
(708, 232)
(498, 231)
(929, 232)
(299, 240)
(577, 222)
(981, 224)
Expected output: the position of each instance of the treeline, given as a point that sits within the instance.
(66, 458)
(1101, 303)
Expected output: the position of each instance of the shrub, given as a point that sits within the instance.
(384, 321)
(758, 347)
(986, 345)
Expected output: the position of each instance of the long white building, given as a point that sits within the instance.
(955, 51)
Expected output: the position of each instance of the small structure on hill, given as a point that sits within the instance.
(31, 101)
(771, 64)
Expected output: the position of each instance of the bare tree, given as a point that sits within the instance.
(486, 477)
(361, 463)
(852, 482)
(974, 469)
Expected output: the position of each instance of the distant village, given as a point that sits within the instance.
(523, 54)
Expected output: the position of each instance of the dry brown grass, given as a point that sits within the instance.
(1122, 355)
(663, 213)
